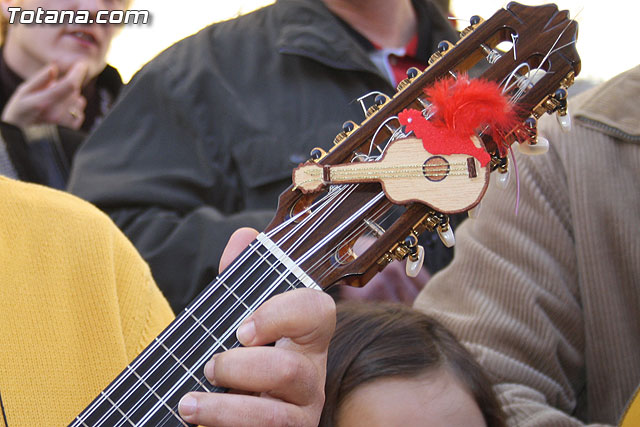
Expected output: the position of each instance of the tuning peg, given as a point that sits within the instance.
(415, 261)
(475, 211)
(534, 147)
(560, 98)
(317, 154)
(447, 236)
(502, 180)
(564, 120)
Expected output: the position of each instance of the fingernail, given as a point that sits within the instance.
(247, 332)
(209, 370)
(188, 405)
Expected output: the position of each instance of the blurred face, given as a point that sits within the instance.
(434, 399)
(30, 47)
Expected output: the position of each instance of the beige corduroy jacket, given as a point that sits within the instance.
(549, 300)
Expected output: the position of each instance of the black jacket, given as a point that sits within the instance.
(204, 138)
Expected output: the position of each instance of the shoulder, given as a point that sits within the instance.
(31, 203)
(614, 105)
(49, 221)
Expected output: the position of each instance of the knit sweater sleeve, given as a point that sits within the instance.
(511, 296)
(77, 304)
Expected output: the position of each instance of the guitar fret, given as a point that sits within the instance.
(234, 294)
(118, 409)
(159, 398)
(209, 332)
(185, 368)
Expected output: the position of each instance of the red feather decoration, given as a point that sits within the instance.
(460, 108)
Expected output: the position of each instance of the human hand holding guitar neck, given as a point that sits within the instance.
(287, 380)
(48, 98)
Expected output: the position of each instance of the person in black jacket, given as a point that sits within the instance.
(205, 136)
(55, 85)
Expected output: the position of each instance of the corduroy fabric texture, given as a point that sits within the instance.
(549, 300)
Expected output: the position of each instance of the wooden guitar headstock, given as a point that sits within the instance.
(317, 224)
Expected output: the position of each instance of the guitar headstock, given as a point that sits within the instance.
(317, 226)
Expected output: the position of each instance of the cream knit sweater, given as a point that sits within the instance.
(77, 303)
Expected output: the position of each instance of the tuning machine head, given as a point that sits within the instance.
(348, 128)
(530, 142)
(562, 113)
(501, 166)
(412, 74)
(443, 47)
(473, 24)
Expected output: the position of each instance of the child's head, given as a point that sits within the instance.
(391, 365)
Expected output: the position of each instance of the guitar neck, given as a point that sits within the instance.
(149, 389)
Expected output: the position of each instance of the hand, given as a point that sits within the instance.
(46, 99)
(391, 284)
(289, 378)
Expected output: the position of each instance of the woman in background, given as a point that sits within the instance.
(55, 86)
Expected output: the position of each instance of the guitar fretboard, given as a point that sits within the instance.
(147, 392)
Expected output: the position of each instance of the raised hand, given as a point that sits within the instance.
(48, 98)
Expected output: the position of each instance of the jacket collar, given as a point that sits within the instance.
(613, 108)
(310, 29)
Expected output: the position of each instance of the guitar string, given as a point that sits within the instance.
(362, 226)
(277, 284)
(280, 242)
(320, 244)
(179, 322)
(284, 276)
(201, 339)
(515, 97)
(317, 221)
(150, 350)
(4, 414)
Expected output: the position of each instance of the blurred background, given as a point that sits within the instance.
(606, 39)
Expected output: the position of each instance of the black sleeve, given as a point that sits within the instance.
(150, 168)
(42, 154)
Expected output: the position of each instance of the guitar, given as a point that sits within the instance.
(329, 207)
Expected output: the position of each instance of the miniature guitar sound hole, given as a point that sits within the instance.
(436, 168)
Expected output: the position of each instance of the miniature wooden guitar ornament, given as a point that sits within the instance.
(445, 166)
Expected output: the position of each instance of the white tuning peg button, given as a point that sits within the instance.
(564, 121)
(475, 211)
(447, 237)
(415, 262)
(502, 180)
(540, 147)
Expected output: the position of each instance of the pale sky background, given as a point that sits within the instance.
(607, 41)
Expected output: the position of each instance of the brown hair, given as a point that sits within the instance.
(374, 341)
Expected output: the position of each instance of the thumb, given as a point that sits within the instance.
(77, 75)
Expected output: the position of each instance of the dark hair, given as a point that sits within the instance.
(375, 341)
